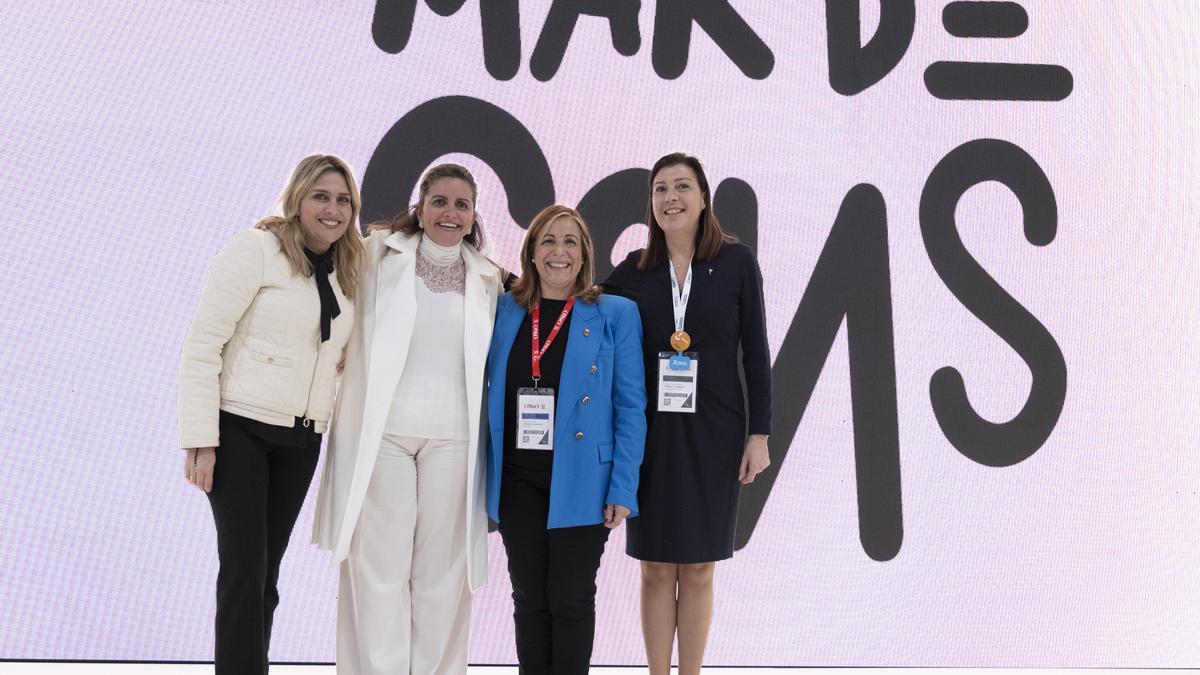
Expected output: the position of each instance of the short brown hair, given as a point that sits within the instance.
(527, 290)
(709, 235)
(407, 222)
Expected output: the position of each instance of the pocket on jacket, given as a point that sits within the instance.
(263, 353)
(604, 359)
(606, 452)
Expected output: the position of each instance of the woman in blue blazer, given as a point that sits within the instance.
(567, 417)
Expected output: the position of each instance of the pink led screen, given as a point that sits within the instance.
(981, 285)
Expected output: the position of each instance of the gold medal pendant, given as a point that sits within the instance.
(680, 340)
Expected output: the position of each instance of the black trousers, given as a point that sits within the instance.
(259, 484)
(553, 575)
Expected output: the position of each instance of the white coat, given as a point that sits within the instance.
(375, 356)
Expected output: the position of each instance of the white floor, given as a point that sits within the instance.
(15, 668)
(63, 668)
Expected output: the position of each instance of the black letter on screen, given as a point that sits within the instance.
(736, 207)
(392, 26)
(560, 25)
(854, 68)
(673, 33)
(982, 19)
(852, 279)
(456, 124)
(968, 165)
(612, 205)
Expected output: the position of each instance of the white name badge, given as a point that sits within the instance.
(535, 419)
(677, 375)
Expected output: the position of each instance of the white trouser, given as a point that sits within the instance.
(404, 604)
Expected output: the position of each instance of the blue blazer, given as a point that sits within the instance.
(598, 444)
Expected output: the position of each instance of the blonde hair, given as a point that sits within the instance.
(527, 290)
(348, 250)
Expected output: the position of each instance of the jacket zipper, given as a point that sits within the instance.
(313, 378)
(311, 381)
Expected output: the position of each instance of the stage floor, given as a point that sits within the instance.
(61, 668)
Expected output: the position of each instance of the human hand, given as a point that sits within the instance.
(272, 225)
(754, 459)
(198, 467)
(614, 514)
(391, 225)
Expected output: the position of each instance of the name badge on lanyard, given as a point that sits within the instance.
(678, 370)
(677, 375)
(535, 418)
(535, 405)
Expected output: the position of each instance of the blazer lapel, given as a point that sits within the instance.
(479, 297)
(700, 279)
(396, 303)
(508, 321)
(480, 288)
(369, 289)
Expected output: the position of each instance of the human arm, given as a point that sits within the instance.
(756, 363)
(620, 279)
(232, 284)
(629, 410)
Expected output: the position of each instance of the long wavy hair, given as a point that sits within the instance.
(709, 235)
(348, 250)
(527, 290)
(407, 221)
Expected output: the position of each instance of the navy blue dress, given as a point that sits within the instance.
(689, 483)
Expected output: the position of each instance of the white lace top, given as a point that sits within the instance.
(441, 268)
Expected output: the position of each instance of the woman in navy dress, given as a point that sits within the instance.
(699, 292)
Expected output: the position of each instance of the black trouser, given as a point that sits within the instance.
(553, 576)
(259, 485)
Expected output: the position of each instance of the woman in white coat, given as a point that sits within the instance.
(256, 386)
(401, 502)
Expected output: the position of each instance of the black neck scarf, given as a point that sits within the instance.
(322, 267)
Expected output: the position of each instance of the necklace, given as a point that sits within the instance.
(680, 271)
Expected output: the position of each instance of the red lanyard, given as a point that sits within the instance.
(539, 353)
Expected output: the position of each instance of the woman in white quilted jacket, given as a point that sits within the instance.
(256, 387)
(401, 501)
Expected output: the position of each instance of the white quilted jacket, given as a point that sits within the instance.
(254, 348)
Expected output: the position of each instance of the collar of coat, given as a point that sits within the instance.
(476, 262)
